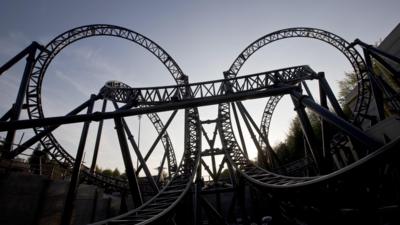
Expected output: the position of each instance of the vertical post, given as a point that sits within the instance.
(17, 106)
(130, 172)
(307, 130)
(324, 125)
(97, 144)
(73, 185)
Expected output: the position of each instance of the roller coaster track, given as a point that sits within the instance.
(348, 50)
(43, 60)
(252, 172)
(188, 96)
(181, 176)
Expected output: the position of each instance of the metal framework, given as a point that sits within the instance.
(227, 93)
(51, 50)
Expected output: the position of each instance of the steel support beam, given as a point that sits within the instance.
(140, 157)
(168, 106)
(221, 166)
(21, 148)
(208, 169)
(308, 132)
(331, 96)
(138, 154)
(307, 89)
(6, 115)
(270, 154)
(160, 135)
(235, 114)
(73, 185)
(324, 130)
(261, 155)
(17, 106)
(98, 138)
(130, 171)
(340, 123)
(21, 55)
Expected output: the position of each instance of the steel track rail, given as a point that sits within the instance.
(348, 50)
(45, 57)
(268, 179)
(236, 156)
(173, 193)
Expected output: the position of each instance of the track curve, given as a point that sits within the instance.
(236, 157)
(54, 47)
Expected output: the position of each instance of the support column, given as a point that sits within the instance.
(331, 96)
(239, 129)
(138, 154)
(340, 123)
(130, 172)
(73, 185)
(16, 108)
(97, 144)
(324, 125)
(308, 132)
(261, 155)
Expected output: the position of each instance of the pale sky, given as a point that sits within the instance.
(204, 37)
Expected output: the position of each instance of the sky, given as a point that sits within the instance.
(204, 38)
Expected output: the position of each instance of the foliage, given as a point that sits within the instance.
(116, 173)
(292, 148)
(107, 172)
(346, 86)
(98, 169)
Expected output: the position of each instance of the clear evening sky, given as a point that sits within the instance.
(204, 37)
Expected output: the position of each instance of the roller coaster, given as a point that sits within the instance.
(358, 155)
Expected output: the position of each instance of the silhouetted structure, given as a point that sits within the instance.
(354, 173)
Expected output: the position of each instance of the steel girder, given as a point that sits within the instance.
(202, 90)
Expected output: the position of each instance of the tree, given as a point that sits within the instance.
(116, 173)
(98, 169)
(107, 172)
(292, 148)
(346, 85)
